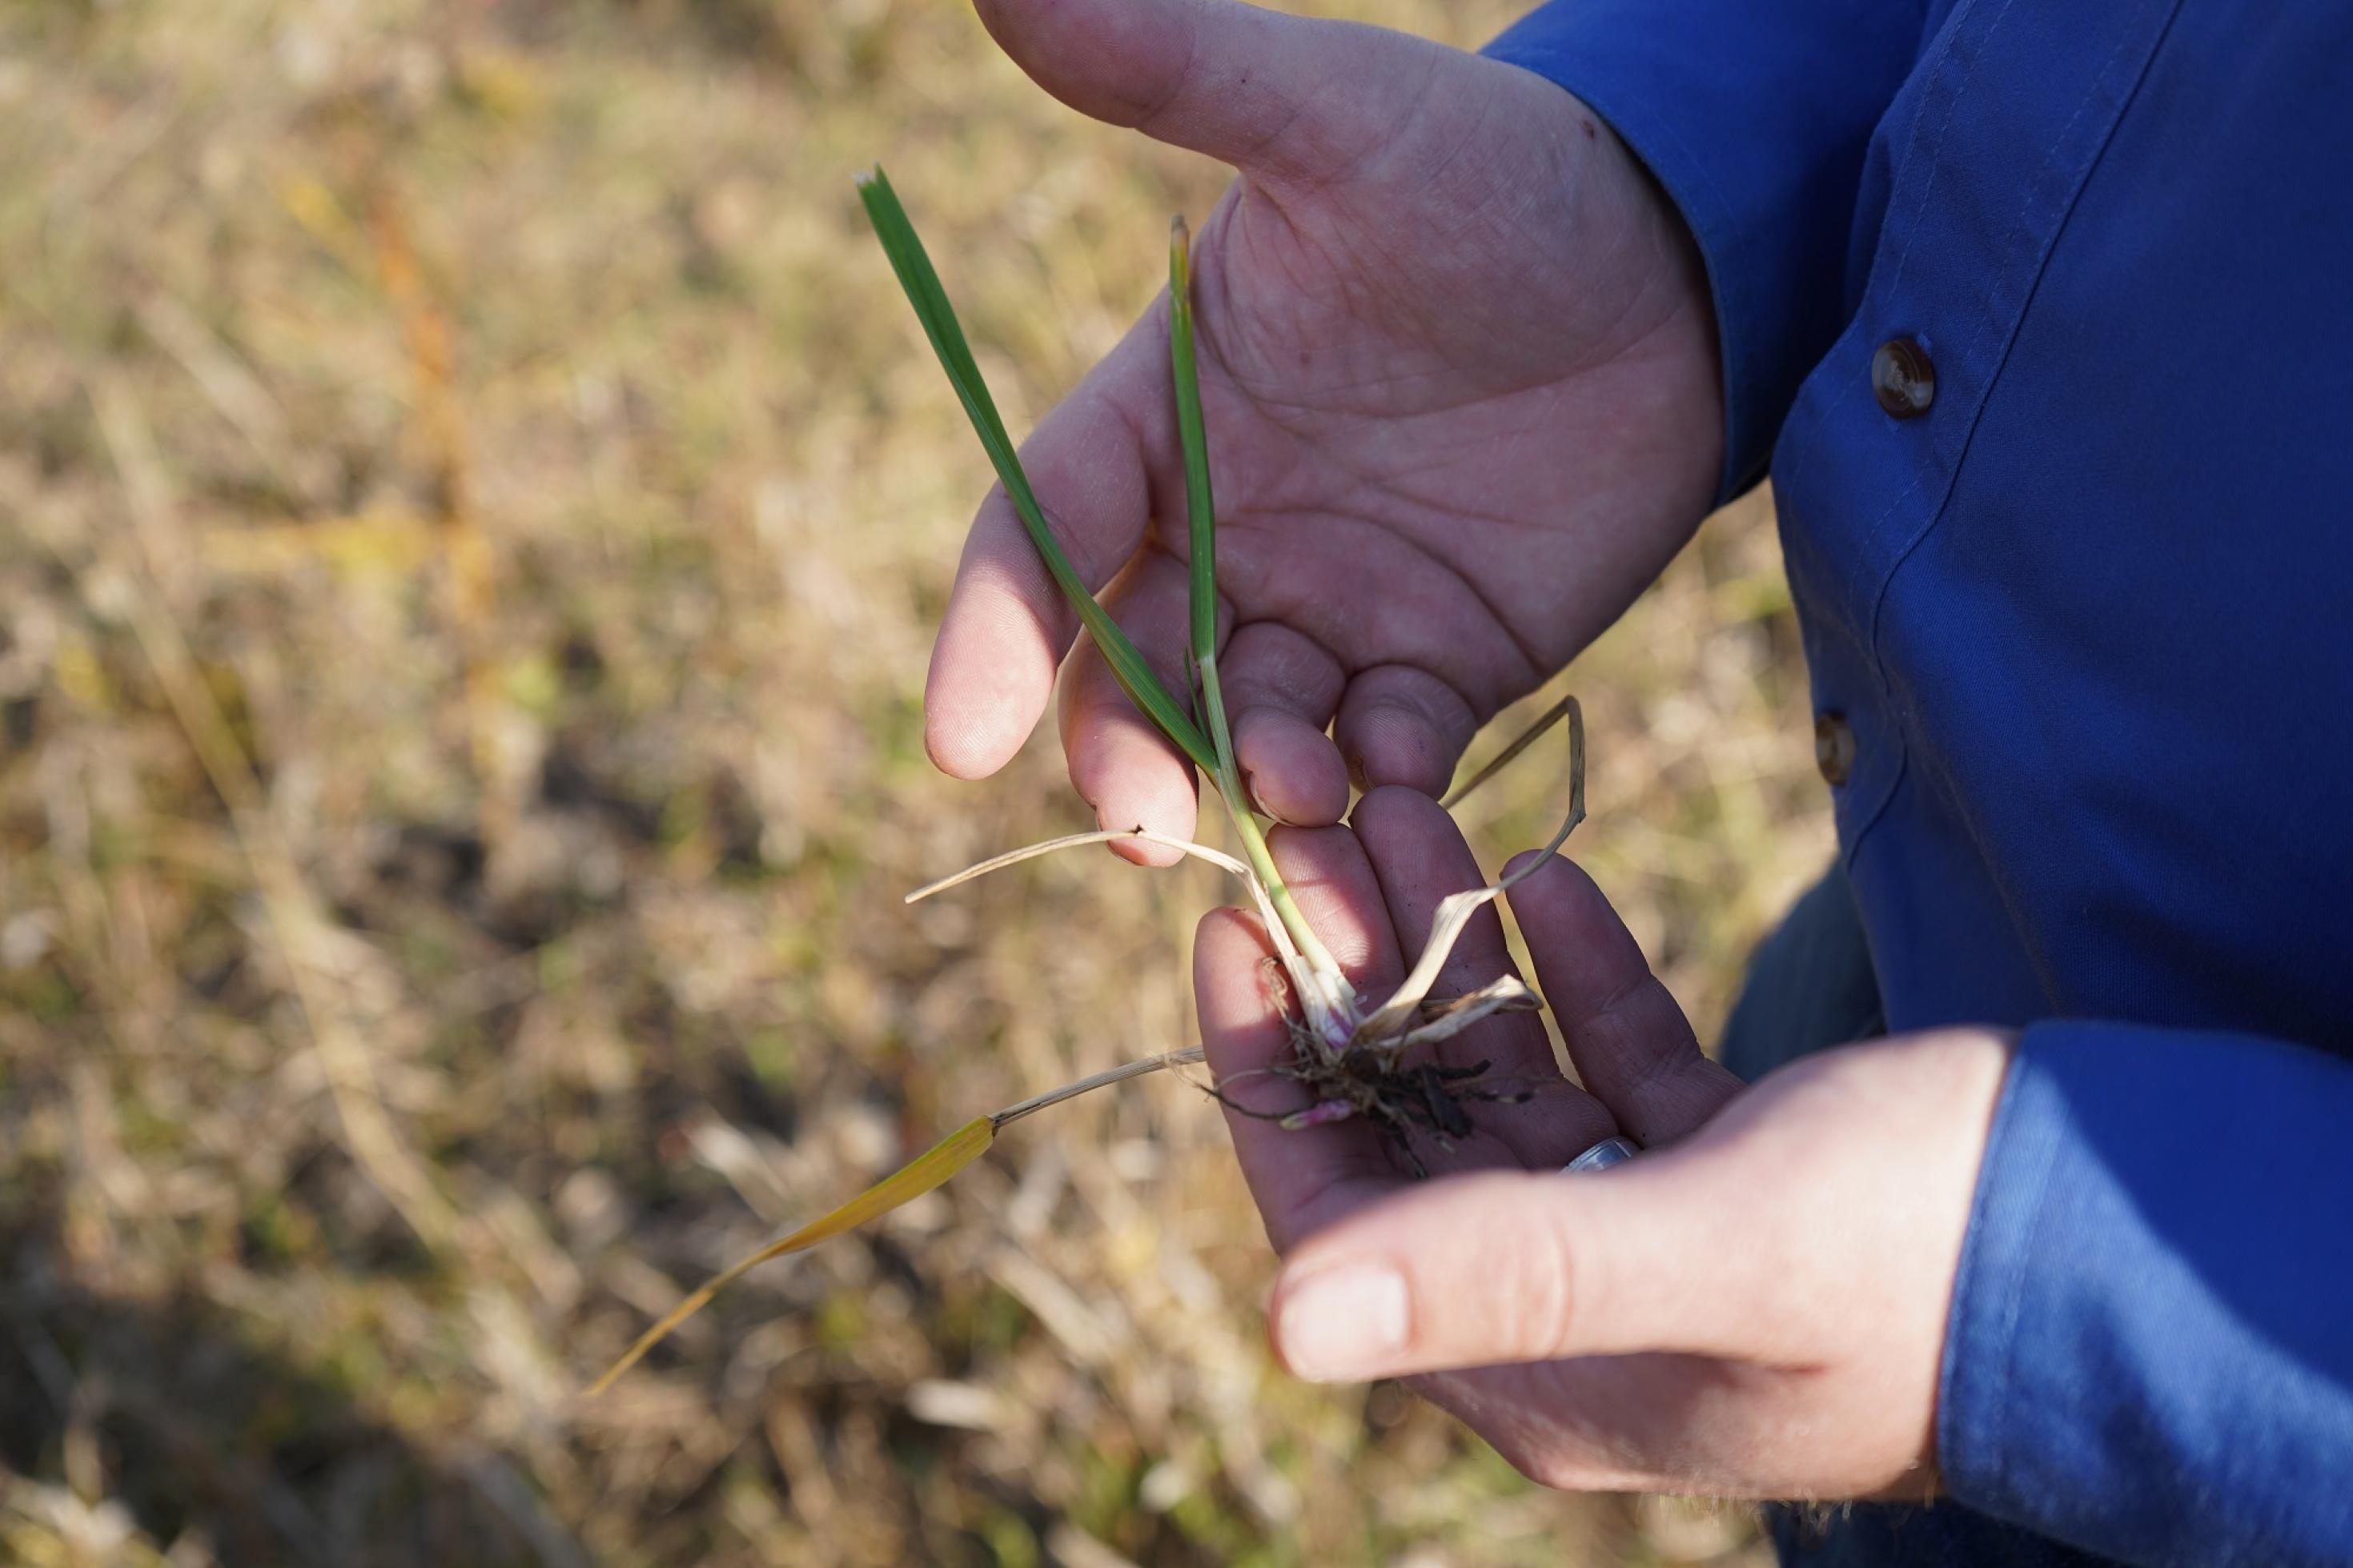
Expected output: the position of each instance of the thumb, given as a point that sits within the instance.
(1492, 1268)
(1283, 96)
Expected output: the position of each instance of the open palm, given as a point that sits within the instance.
(1755, 1306)
(1459, 372)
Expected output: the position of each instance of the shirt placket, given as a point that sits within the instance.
(1992, 141)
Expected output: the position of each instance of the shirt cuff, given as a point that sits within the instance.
(2150, 1352)
(1754, 118)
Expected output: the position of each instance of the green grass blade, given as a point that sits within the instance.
(910, 1182)
(1200, 507)
(922, 283)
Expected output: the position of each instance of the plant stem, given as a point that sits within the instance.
(1037, 1102)
(1201, 517)
(1213, 702)
(1277, 893)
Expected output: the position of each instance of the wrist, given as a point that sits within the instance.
(1659, 310)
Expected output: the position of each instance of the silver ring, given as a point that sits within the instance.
(1601, 1156)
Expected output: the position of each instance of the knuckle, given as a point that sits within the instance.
(1538, 1306)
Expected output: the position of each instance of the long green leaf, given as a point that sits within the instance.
(1200, 507)
(922, 283)
(1201, 512)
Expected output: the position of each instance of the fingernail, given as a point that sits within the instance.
(1345, 1324)
(1250, 789)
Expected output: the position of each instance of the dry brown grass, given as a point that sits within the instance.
(472, 509)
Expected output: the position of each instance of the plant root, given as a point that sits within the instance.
(1405, 1102)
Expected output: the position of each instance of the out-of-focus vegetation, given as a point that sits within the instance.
(472, 505)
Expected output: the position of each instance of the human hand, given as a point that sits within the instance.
(1754, 1307)
(1458, 372)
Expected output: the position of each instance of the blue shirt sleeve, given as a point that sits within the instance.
(2150, 1354)
(1755, 117)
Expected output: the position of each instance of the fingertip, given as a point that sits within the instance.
(1583, 953)
(1120, 762)
(1007, 625)
(1140, 852)
(992, 670)
(1381, 1291)
(1127, 771)
(1345, 1323)
(1144, 852)
(1230, 947)
(1220, 937)
(1557, 902)
(1398, 725)
(1219, 930)
(963, 746)
(1519, 865)
(1290, 768)
(1157, 795)
(1394, 746)
(1389, 813)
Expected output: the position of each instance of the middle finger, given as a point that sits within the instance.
(1420, 858)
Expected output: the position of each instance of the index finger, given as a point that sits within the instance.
(1094, 463)
(1421, 858)
(1302, 1179)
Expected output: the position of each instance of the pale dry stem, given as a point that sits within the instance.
(1388, 1025)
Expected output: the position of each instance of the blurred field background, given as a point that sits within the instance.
(473, 506)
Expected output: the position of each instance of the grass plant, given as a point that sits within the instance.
(1350, 1061)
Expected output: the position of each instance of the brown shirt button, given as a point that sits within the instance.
(1833, 748)
(1903, 379)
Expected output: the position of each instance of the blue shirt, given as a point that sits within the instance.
(2089, 618)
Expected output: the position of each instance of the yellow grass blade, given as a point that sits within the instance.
(919, 1175)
